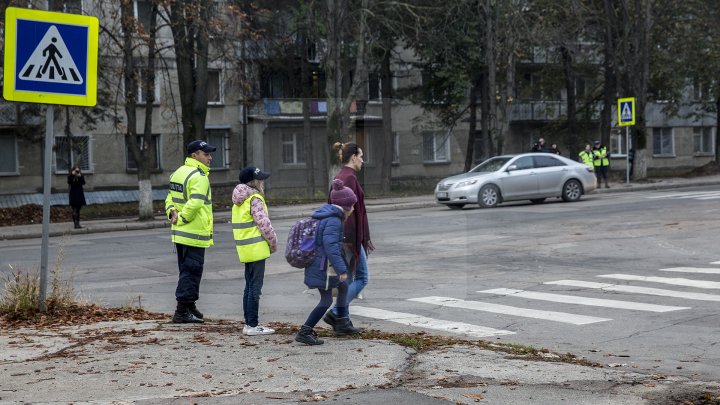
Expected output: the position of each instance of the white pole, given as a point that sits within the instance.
(627, 155)
(47, 172)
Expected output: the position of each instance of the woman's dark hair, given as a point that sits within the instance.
(345, 151)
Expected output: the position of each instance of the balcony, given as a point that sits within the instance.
(273, 107)
(547, 111)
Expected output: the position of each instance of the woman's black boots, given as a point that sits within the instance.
(308, 336)
(344, 327)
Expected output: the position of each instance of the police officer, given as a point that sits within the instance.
(601, 162)
(189, 209)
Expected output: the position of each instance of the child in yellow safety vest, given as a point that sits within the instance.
(255, 240)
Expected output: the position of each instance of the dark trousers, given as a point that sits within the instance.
(190, 264)
(602, 173)
(325, 301)
(76, 214)
(254, 277)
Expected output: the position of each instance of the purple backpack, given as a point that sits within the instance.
(300, 248)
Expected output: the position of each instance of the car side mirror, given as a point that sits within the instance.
(511, 168)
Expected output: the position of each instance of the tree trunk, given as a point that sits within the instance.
(491, 88)
(333, 71)
(640, 164)
(189, 18)
(470, 150)
(717, 131)
(485, 117)
(139, 148)
(145, 205)
(610, 89)
(387, 138)
(571, 145)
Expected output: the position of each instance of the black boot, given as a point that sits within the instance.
(183, 315)
(308, 336)
(343, 327)
(330, 318)
(76, 220)
(193, 310)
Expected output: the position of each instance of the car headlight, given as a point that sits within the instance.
(466, 183)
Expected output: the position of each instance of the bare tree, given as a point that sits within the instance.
(144, 78)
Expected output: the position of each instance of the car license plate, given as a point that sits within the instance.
(442, 195)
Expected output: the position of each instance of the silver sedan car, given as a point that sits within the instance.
(528, 176)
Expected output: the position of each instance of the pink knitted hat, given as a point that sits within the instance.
(342, 196)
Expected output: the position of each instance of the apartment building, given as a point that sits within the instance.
(269, 132)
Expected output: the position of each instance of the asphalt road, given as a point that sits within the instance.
(521, 273)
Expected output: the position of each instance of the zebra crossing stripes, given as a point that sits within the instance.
(637, 290)
(666, 280)
(428, 323)
(572, 299)
(563, 317)
(704, 195)
(693, 270)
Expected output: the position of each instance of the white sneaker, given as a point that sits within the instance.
(258, 330)
(360, 296)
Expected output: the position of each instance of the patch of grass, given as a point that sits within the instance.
(20, 298)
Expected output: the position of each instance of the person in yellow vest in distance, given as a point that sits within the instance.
(601, 163)
(189, 208)
(255, 240)
(586, 156)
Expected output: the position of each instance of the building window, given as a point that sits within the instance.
(8, 155)
(219, 138)
(66, 6)
(142, 79)
(701, 91)
(214, 88)
(436, 147)
(293, 149)
(374, 89)
(703, 140)
(396, 149)
(72, 151)
(143, 8)
(151, 147)
(618, 144)
(663, 143)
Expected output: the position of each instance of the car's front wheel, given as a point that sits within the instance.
(572, 190)
(489, 196)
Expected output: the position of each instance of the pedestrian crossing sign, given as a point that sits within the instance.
(50, 58)
(626, 111)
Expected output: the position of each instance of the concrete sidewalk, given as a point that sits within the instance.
(304, 210)
(155, 362)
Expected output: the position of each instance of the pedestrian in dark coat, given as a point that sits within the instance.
(357, 243)
(76, 195)
(329, 269)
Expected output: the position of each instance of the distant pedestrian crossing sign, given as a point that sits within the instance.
(626, 111)
(50, 58)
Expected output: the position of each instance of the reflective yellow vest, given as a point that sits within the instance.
(251, 246)
(587, 157)
(601, 157)
(190, 196)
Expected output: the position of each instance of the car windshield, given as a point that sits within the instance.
(490, 165)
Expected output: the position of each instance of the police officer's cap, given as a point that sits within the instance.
(197, 145)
